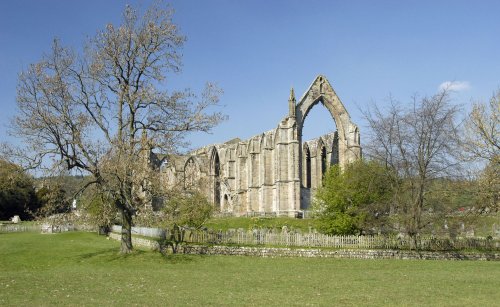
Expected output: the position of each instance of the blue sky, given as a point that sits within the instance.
(257, 50)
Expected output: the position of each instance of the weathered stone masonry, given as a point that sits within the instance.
(274, 171)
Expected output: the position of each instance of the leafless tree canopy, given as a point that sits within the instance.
(419, 143)
(103, 111)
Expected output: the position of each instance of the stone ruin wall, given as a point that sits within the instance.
(273, 172)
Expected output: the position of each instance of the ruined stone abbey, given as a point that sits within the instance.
(276, 171)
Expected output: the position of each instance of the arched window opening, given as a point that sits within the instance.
(318, 131)
(334, 158)
(191, 174)
(163, 164)
(308, 168)
(318, 122)
(323, 160)
(216, 165)
(225, 204)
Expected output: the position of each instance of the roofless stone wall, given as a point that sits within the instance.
(274, 171)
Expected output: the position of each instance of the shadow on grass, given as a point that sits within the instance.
(114, 255)
(100, 253)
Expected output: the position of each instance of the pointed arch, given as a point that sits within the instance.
(255, 143)
(277, 136)
(321, 156)
(268, 140)
(356, 136)
(164, 163)
(191, 173)
(225, 203)
(241, 149)
(262, 141)
(307, 167)
(334, 157)
(215, 172)
(321, 91)
(241, 165)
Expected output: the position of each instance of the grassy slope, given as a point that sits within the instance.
(483, 225)
(84, 269)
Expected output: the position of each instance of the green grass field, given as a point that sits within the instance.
(483, 225)
(83, 269)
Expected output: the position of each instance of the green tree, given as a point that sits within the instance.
(482, 131)
(489, 188)
(354, 200)
(52, 200)
(184, 209)
(17, 192)
(104, 111)
(482, 143)
(98, 208)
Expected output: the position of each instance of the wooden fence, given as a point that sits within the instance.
(269, 238)
(297, 214)
(45, 228)
(321, 240)
(21, 228)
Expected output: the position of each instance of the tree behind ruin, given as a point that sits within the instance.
(481, 143)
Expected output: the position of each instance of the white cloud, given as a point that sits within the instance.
(456, 86)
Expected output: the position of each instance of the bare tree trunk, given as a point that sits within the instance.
(126, 246)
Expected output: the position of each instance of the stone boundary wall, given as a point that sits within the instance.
(273, 252)
(344, 253)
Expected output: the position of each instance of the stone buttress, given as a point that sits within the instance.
(275, 172)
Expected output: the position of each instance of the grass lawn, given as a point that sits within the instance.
(84, 269)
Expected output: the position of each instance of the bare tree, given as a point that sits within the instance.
(418, 142)
(105, 111)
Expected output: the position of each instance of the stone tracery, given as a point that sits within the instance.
(273, 172)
